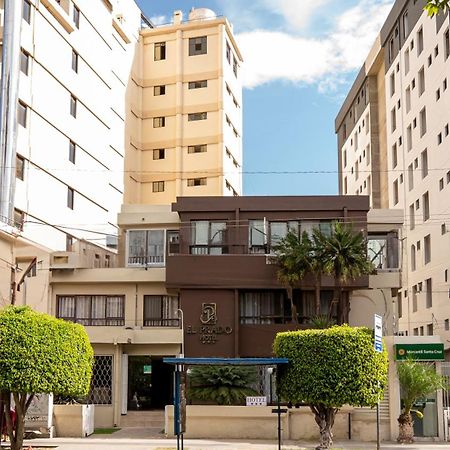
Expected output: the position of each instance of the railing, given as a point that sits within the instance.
(159, 322)
(144, 261)
(103, 322)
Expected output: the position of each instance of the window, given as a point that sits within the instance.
(412, 218)
(355, 139)
(235, 66)
(22, 113)
(70, 197)
(427, 249)
(264, 307)
(400, 305)
(198, 84)
(419, 41)
(74, 61)
(448, 177)
(161, 311)
(159, 51)
(345, 185)
(198, 46)
(409, 138)
(443, 228)
(367, 124)
(19, 218)
(158, 186)
(393, 120)
(228, 53)
(446, 275)
(73, 106)
(26, 11)
(438, 94)
(196, 182)
(392, 83)
(173, 242)
(421, 79)
(257, 236)
(395, 194)
(20, 167)
(444, 84)
(72, 152)
(208, 238)
(159, 122)
(159, 90)
(101, 381)
(408, 99)
(92, 310)
(69, 243)
(441, 184)
(429, 292)
(447, 324)
(424, 159)
(145, 248)
(446, 44)
(430, 329)
(197, 148)
(197, 116)
(391, 49)
(410, 177)
(159, 153)
(413, 257)
(394, 156)
(436, 51)
(405, 25)
(430, 60)
(344, 158)
(446, 130)
(24, 61)
(383, 251)
(414, 298)
(76, 16)
(426, 206)
(406, 61)
(423, 122)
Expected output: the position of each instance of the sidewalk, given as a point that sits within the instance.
(96, 443)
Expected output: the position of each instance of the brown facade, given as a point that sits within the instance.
(212, 287)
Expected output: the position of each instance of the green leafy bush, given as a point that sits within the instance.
(40, 354)
(224, 385)
(330, 368)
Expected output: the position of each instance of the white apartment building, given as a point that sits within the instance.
(393, 140)
(73, 67)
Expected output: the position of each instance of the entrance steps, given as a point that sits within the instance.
(151, 420)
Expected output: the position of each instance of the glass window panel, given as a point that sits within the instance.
(278, 231)
(257, 235)
(155, 243)
(218, 232)
(200, 230)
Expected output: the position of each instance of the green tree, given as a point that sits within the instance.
(224, 385)
(39, 354)
(294, 256)
(331, 368)
(343, 254)
(417, 380)
(434, 7)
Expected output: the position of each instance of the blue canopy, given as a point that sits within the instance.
(227, 361)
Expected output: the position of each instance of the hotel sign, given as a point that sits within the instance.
(208, 331)
(420, 352)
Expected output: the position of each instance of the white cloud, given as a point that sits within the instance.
(159, 20)
(275, 55)
(296, 13)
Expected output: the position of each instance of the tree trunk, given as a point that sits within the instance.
(324, 417)
(317, 294)
(290, 294)
(405, 429)
(16, 430)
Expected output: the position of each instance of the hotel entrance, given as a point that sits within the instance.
(149, 383)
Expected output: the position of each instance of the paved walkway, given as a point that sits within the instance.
(97, 442)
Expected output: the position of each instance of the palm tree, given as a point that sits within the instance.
(343, 254)
(417, 380)
(293, 258)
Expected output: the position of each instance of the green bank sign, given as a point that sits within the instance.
(420, 352)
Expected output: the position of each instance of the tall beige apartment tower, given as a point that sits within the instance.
(185, 121)
(393, 139)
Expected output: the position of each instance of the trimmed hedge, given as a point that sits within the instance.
(332, 367)
(42, 354)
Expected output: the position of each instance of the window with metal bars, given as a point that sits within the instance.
(161, 311)
(102, 381)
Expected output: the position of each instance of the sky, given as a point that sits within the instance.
(300, 60)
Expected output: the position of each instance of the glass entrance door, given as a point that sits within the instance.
(139, 383)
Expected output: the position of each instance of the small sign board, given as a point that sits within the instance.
(378, 328)
(256, 401)
(420, 352)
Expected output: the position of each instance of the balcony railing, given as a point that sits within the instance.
(143, 261)
(159, 322)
